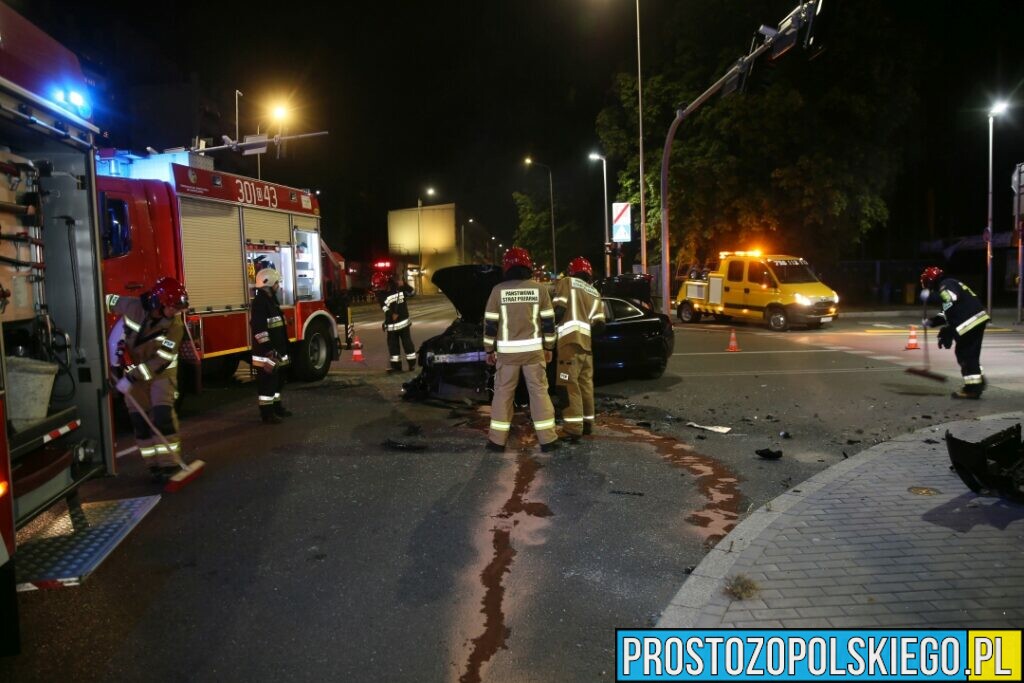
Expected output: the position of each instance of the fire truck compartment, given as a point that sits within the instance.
(62, 547)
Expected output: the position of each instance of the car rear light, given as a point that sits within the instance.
(3, 488)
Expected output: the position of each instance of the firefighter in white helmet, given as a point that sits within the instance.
(579, 312)
(269, 345)
(519, 336)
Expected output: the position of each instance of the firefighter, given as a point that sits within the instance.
(269, 345)
(962, 321)
(578, 313)
(148, 358)
(397, 324)
(519, 336)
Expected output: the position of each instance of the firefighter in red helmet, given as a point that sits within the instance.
(147, 355)
(962, 320)
(519, 336)
(579, 312)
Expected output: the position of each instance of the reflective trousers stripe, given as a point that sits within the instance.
(545, 424)
(500, 426)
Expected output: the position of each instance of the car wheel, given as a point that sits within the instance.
(655, 371)
(313, 354)
(778, 321)
(687, 314)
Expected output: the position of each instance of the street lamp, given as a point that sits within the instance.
(551, 196)
(594, 156)
(464, 241)
(279, 114)
(640, 117)
(419, 237)
(997, 109)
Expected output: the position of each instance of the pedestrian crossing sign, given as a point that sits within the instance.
(622, 225)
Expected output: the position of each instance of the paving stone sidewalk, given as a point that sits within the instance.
(854, 547)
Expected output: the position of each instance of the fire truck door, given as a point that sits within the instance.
(759, 289)
(129, 255)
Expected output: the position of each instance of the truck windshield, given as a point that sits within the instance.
(792, 271)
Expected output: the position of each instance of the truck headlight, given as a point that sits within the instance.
(802, 300)
(836, 295)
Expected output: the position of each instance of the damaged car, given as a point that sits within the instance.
(636, 340)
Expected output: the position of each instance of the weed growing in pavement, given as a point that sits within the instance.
(739, 587)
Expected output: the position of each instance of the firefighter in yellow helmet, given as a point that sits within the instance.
(269, 345)
(519, 336)
(579, 311)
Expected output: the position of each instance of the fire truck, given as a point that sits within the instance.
(175, 214)
(55, 420)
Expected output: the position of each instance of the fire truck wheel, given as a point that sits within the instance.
(778, 321)
(313, 354)
(687, 314)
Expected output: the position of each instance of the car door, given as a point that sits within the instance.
(733, 297)
(129, 258)
(622, 338)
(760, 289)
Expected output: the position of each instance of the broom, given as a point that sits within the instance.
(188, 472)
(926, 371)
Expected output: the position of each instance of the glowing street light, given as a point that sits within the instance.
(419, 234)
(551, 195)
(594, 156)
(997, 109)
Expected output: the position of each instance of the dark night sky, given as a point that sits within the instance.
(454, 93)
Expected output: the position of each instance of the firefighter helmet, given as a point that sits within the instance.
(380, 282)
(580, 265)
(268, 277)
(169, 292)
(930, 275)
(516, 256)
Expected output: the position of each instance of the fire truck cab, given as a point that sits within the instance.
(55, 425)
(174, 214)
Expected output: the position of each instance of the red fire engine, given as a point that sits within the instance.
(55, 424)
(175, 214)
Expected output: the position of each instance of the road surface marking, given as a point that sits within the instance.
(726, 353)
(749, 373)
(885, 358)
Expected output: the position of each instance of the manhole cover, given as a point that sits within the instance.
(923, 491)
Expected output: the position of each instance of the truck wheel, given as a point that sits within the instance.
(687, 314)
(778, 321)
(313, 354)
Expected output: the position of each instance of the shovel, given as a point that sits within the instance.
(926, 371)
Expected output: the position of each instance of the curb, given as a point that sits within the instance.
(707, 579)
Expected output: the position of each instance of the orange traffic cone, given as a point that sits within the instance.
(733, 346)
(912, 342)
(357, 351)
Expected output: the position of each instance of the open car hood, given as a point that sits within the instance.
(627, 286)
(468, 287)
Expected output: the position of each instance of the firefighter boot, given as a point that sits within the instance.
(268, 415)
(588, 427)
(395, 368)
(966, 393)
(281, 411)
(412, 365)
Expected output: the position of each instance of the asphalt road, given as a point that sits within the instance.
(312, 550)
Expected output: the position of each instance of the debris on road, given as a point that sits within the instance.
(769, 454)
(785, 435)
(392, 445)
(413, 430)
(626, 493)
(710, 428)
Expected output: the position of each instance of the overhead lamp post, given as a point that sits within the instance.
(640, 117)
(594, 156)
(279, 114)
(997, 109)
(551, 196)
(464, 241)
(238, 93)
(419, 237)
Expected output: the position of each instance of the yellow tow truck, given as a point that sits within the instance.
(777, 289)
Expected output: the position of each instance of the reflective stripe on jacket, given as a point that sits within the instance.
(519, 321)
(578, 308)
(152, 344)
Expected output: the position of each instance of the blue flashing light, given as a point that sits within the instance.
(76, 99)
(59, 96)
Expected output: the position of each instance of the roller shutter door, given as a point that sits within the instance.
(212, 245)
(266, 226)
(305, 223)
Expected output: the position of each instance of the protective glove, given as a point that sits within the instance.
(946, 338)
(124, 385)
(925, 294)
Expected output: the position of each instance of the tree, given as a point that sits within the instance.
(803, 161)
(533, 232)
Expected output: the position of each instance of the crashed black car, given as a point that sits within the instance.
(635, 339)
